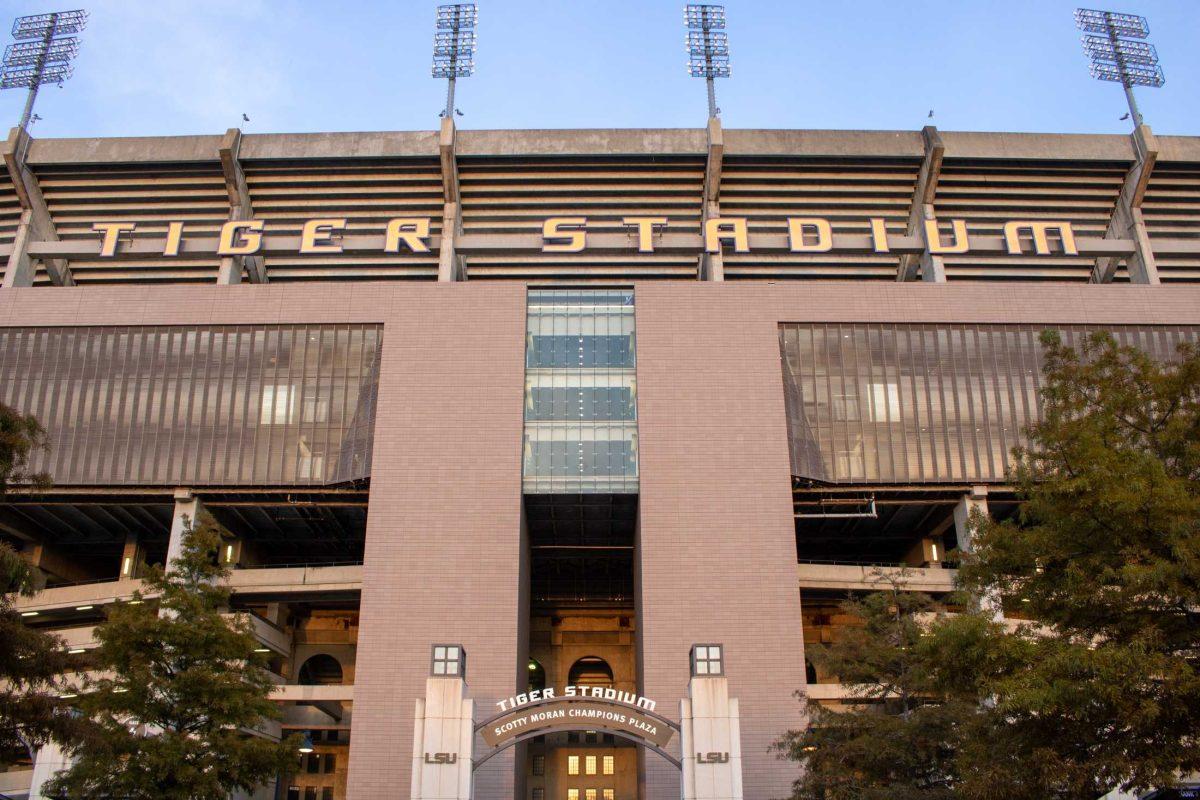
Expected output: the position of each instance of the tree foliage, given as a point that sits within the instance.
(185, 693)
(31, 661)
(1105, 558)
(21, 436)
(1100, 687)
(914, 696)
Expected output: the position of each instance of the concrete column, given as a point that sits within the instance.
(132, 557)
(449, 268)
(932, 267)
(1127, 222)
(240, 207)
(187, 508)
(36, 225)
(710, 732)
(47, 761)
(448, 259)
(927, 552)
(712, 265)
(976, 500)
(443, 736)
(233, 552)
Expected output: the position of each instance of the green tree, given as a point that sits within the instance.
(1099, 687)
(32, 662)
(1105, 559)
(186, 691)
(915, 696)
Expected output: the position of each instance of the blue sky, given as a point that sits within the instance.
(195, 66)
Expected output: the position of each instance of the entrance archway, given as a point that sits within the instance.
(619, 734)
(623, 715)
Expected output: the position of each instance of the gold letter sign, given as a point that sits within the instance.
(569, 228)
(240, 237)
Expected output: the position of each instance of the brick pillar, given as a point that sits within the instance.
(716, 549)
(444, 548)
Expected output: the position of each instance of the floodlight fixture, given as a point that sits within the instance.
(43, 53)
(707, 46)
(454, 43)
(1130, 75)
(1100, 48)
(1114, 54)
(1093, 21)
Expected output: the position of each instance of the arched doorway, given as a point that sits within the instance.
(591, 671)
(320, 670)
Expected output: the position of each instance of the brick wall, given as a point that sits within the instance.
(443, 550)
(717, 560)
(717, 550)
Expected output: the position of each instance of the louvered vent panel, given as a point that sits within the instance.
(847, 193)
(1171, 209)
(150, 195)
(367, 193)
(988, 193)
(10, 209)
(516, 195)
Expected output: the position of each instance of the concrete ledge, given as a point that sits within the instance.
(293, 693)
(297, 579)
(88, 594)
(605, 141)
(828, 691)
(843, 576)
(125, 149)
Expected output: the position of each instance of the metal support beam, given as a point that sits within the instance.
(930, 265)
(1127, 222)
(240, 207)
(712, 265)
(36, 225)
(450, 266)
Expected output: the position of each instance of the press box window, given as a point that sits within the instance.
(448, 660)
(708, 659)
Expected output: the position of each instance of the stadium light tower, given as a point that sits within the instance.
(707, 46)
(1115, 54)
(454, 47)
(42, 53)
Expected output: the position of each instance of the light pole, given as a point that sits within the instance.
(707, 46)
(42, 53)
(454, 47)
(1116, 56)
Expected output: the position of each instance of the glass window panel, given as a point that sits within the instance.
(580, 392)
(224, 405)
(921, 403)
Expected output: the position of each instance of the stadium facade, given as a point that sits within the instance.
(543, 454)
